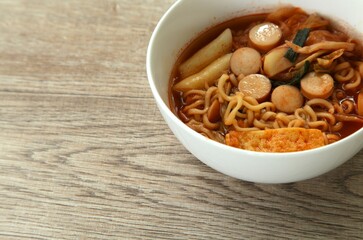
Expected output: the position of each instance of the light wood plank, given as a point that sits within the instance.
(85, 154)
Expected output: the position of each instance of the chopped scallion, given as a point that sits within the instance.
(297, 77)
(299, 40)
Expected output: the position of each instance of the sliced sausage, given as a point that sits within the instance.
(287, 98)
(245, 61)
(265, 36)
(255, 85)
(317, 85)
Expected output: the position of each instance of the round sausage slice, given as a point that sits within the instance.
(287, 98)
(265, 36)
(255, 85)
(317, 85)
(245, 61)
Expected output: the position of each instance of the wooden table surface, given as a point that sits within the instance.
(85, 153)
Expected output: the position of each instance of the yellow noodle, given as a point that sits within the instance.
(276, 125)
(359, 67)
(296, 123)
(330, 138)
(260, 106)
(250, 117)
(251, 100)
(243, 129)
(209, 124)
(310, 112)
(337, 127)
(338, 94)
(327, 116)
(355, 82)
(282, 124)
(338, 108)
(347, 106)
(341, 66)
(322, 103)
(232, 109)
(208, 96)
(301, 114)
(194, 105)
(284, 118)
(228, 87)
(241, 115)
(215, 97)
(221, 82)
(233, 79)
(268, 115)
(261, 124)
(198, 92)
(344, 75)
(322, 125)
(195, 111)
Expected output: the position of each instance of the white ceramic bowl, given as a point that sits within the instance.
(181, 23)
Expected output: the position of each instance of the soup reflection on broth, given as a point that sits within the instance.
(277, 82)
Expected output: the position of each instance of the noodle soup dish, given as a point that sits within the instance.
(265, 92)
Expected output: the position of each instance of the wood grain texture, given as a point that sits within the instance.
(85, 154)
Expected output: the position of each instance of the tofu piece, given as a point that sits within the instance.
(276, 140)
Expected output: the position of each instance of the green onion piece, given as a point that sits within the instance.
(299, 40)
(297, 77)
